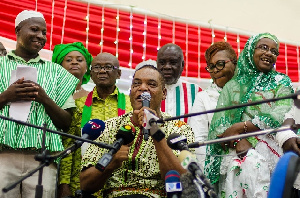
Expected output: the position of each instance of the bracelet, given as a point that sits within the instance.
(245, 127)
(235, 142)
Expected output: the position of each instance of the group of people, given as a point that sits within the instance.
(239, 168)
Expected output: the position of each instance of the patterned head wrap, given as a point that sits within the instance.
(27, 14)
(242, 88)
(61, 50)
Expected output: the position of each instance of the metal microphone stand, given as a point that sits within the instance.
(242, 136)
(44, 162)
(45, 158)
(295, 96)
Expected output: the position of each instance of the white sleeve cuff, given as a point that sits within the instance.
(283, 136)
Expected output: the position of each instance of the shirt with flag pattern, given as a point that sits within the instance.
(180, 98)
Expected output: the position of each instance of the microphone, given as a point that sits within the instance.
(190, 162)
(91, 130)
(146, 97)
(177, 142)
(173, 184)
(189, 188)
(284, 175)
(124, 136)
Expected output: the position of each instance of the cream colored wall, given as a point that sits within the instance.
(279, 17)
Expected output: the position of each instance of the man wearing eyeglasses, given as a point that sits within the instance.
(105, 101)
(181, 95)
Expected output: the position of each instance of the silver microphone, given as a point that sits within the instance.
(146, 97)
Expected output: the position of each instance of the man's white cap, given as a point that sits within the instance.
(27, 14)
(144, 63)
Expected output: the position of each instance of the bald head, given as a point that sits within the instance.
(107, 57)
(170, 46)
(105, 71)
(170, 62)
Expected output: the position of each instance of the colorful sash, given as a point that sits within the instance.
(87, 108)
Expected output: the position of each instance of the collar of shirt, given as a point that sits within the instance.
(96, 96)
(172, 86)
(12, 55)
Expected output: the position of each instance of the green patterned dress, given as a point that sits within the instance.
(250, 176)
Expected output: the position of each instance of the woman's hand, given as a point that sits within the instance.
(235, 129)
(242, 147)
(292, 144)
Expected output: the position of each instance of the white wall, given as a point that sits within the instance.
(279, 17)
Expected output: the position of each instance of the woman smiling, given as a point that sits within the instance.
(242, 168)
(221, 61)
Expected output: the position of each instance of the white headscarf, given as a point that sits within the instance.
(27, 14)
(144, 63)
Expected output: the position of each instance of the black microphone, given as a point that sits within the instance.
(124, 136)
(177, 142)
(173, 184)
(146, 97)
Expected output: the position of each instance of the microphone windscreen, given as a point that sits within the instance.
(172, 176)
(93, 128)
(146, 96)
(284, 175)
(189, 188)
(127, 132)
(173, 184)
(174, 139)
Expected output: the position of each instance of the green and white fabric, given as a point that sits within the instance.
(248, 84)
(57, 82)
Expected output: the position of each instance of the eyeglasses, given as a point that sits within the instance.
(220, 64)
(107, 67)
(264, 48)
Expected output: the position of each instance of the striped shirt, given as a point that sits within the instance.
(58, 84)
(180, 98)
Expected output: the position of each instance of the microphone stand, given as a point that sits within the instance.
(44, 162)
(45, 158)
(242, 136)
(100, 144)
(294, 96)
(39, 186)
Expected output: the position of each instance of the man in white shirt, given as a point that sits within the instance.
(181, 95)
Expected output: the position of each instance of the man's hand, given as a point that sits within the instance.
(292, 144)
(40, 94)
(20, 91)
(140, 114)
(119, 157)
(64, 191)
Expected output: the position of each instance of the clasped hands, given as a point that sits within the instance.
(241, 146)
